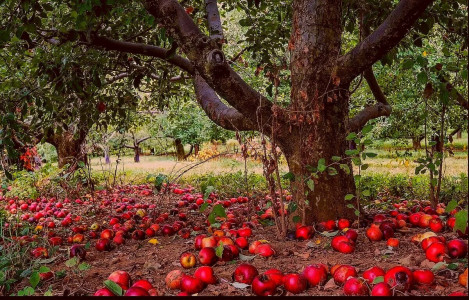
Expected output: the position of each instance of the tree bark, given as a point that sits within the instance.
(180, 154)
(459, 134)
(70, 147)
(136, 154)
(196, 149)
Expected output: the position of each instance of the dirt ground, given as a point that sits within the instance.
(153, 262)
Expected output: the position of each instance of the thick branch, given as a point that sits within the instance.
(224, 116)
(383, 39)
(374, 86)
(214, 21)
(368, 113)
(461, 101)
(142, 140)
(209, 61)
(137, 48)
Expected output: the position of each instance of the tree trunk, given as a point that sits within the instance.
(136, 154)
(319, 105)
(180, 154)
(196, 149)
(459, 134)
(189, 153)
(70, 148)
(107, 159)
(416, 142)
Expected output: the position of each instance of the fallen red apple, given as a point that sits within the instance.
(208, 256)
(436, 252)
(355, 287)
(304, 232)
(315, 274)
(187, 260)
(457, 248)
(374, 234)
(295, 283)
(423, 277)
(373, 272)
(144, 284)
(173, 279)
(245, 273)
(342, 244)
(351, 235)
(136, 291)
(265, 250)
(381, 289)
(104, 292)
(342, 273)
(399, 277)
(191, 285)
(264, 285)
(122, 278)
(275, 275)
(343, 223)
(103, 245)
(242, 242)
(206, 275)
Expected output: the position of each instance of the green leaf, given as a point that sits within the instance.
(72, 262)
(351, 136)
(159, 180)
(34, 279)
(451, 205)
(366, 193)
(453, 266)
(296, 219)
(28, 291)
(292, 207)
(367, 129)
(310, 184)
(203, 207)
(44, 269)
(87, 245)
(439, 265)
(378, 279)
(81, 164)
(350, 206)
(289, 176)
(357, 213)
(349, 196)
(351, 152)
(48, 292)
(219, 250)
(422, 77)
(113, 287)
(208, 191)
(217, 211)
(370, 154)
(332, 171)
(336, 158)
(461, 221)
(322, 165)
(84, 266)
(346, 168)
(365, 166)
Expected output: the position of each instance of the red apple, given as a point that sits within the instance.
(122, 278)
(187, 260)
(457, 248)
(275, 275)
(242, 242)
(264, 285)
(315, 274)
(423, 277)
(144, 284)
(103, 245)
(342, 244)
(295, 283)
(351, 235)
(173, 279)
(136, 291)
(104, 292)
(374, 234)
(399, 277)
(245, 273)
(436, 252)
(355, 287)
(342, 273)
(304, 232)
(381, 289)
(208, 256)
(206, 275)
(191, 285)
(198, 241)
(436, 225)
(265, 250)
(373, 272)
(343, 223)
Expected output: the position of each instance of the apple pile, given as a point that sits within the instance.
(121, 278)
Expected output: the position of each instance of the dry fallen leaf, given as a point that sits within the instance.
(154, 242)
(330, 285)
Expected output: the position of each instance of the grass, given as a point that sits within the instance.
(386, 162)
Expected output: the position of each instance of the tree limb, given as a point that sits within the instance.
(383, 39)
(138, 48)
(368, 113)
(210, 61)
(214, 21)
(224, 116)
(142, 140)
(374, 86)
(461, 101)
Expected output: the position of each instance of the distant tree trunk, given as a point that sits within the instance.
(190, 152)
(180, 154)
(137, 154)
(416, 142)
(459, 134)
(106, 156)
(196, 149)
